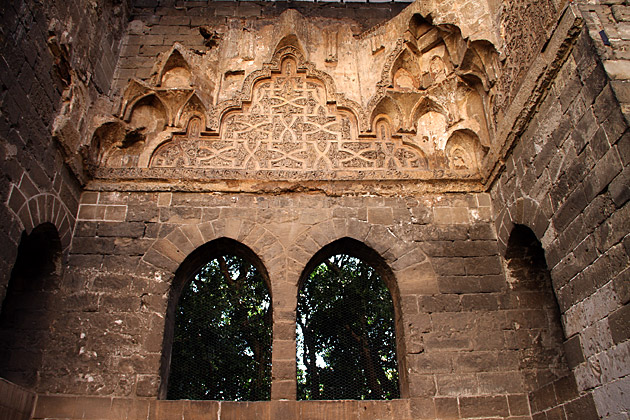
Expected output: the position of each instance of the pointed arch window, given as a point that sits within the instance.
(346, 327)
(220, 318)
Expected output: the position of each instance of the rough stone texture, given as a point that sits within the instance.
(564, 179)
(48, 70)
(121, 125)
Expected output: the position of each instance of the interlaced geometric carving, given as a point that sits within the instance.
(289, 125)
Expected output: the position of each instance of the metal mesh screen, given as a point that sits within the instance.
(346, 344)
(222, 337)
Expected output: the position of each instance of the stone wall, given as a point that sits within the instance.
(525, 26)
(48, 67)
(480, 334)
(465, 332)
(566, 178)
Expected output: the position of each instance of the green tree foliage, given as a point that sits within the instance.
(346, 337)
(222, 339)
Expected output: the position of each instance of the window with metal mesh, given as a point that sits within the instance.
(222, 338)
(346, 343)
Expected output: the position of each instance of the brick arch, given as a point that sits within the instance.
(411, 266)
(169, 252)
(33, 208)
(524, 211)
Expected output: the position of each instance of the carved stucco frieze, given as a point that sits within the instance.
(288, 121)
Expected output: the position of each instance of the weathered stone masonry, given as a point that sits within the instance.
(567, 180)
(289, 127)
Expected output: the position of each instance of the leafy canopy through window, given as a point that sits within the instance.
(346, 344)
(222, 338)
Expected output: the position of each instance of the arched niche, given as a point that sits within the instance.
(103, 140)
(126, 142)
(540, 340)
(148, 114)
(383, 128)
(406, 73)
(480, 60)
(191, 289)
(419, 26)
(176, 72)
(26, 312)
(355, 273)
(464, 151)
(389, 108)
(290, 40)
(431, 127)
(194, 107)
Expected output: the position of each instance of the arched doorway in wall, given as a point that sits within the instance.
(217, 343)
(347, 326)
(25, 316)
(539, 337)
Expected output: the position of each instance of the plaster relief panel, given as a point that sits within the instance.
(287, 121)
(289, 125)
(436, 84)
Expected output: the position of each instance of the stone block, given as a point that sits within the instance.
(566, 388)
(180, 215)
(449, 266)
(614, 230)
(201, 410)
(283, 390)
(142, 213)
(115, 213)
(619, 322)
(619, 188)
(621, 12)
(55, 406)
(606, 102)
(431, 362)
(480, 266)
(623, 146)
(610, 399)
(573, 351)
(457, 385)
(446, 408)
(495, 383)
(421, 385)
(621, 283)
(194, 236)
(380, 215)
(121, 229)
(93, 407)
(597, 211)
(483, 406)
(606, 169)
(596, 338)
(575, 203)
(418, 408)
(480, 302)
(585, 130)
(518, 405)
(93, 245)
(583, 408)
(617, 69)
(91, 212)
(439, 303)
(458, 284)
